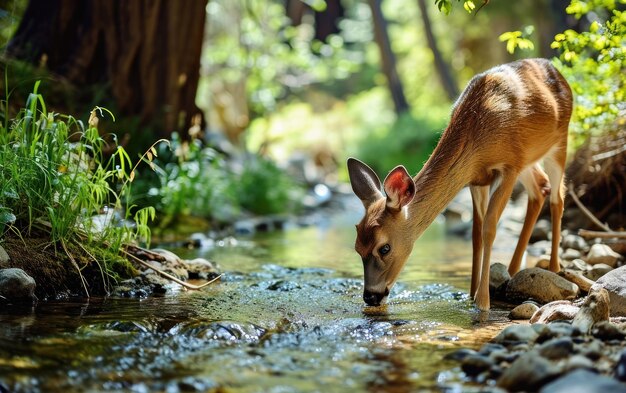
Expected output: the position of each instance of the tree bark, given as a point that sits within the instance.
(387, 57)
(448, 81)
(146, 51)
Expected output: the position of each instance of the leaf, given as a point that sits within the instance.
(6, 217)
(469, 6)
(132, 176)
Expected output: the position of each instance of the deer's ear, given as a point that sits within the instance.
(399, 188)
(365, 183)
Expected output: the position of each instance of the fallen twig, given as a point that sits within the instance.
(169, 276)
(586, 211)
(605, 235)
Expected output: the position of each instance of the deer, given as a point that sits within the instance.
(506, 121)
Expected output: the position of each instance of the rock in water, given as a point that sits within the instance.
(583, 381)
(541, 285)
(594, 309)
(516, 333)
(601, 253)
(16, 285)
(615, 283)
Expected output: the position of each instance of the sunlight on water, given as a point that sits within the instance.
(286, 316)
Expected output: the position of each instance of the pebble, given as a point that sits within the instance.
(16, 285)
(620, 367)
(554, 311)
(571, 254)
(557, 329)
(601, 253)
(556, 348)
(615, 283)
(498, 276)
(516, 333)
(524, 311)
(541, 285)
(574, 241)
(528, 373)
(473, 365)
(4, 257)
(584, 381)
(594, 309)
(607, 331)
(597, 271)
(577, 264)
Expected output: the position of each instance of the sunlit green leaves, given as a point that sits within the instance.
(517, 39)
(445, 6)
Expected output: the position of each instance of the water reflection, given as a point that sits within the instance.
(286, 316)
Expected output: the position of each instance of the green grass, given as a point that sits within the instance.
(60, 176)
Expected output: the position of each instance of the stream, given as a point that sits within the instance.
(286, 316)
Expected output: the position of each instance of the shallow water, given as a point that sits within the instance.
(287, 316)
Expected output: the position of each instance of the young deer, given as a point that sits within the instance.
(507, 120)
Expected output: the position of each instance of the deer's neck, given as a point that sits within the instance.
(445, 173)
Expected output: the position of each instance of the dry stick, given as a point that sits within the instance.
(604, 235)
(586, 211)
(169, 276)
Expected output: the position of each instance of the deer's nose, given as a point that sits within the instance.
(372, 298)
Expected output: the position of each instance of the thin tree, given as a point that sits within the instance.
(387, 57)
(448, 81)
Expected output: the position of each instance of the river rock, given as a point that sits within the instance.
(597, 271)
(594, 309)
(4, 257)
(574, 241)
(16, 285)
(541, 231)
(498, 276)
(615, 283)
(584, 381)
(541, 285)
(524, 311)
(528, 373)
(577, 264)
(199, 268)
(516, 333)
(556, 348)
(577, 278)
(571, 254)
(577, 362)
(601, 253)
(555, 311)
(620, 367)
(607, 331)
(475, 364)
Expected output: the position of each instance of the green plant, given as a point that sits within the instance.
(56, 177)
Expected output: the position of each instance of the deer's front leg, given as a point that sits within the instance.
(480, 198)
(497, 203)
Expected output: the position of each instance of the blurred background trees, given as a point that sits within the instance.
(312, 80)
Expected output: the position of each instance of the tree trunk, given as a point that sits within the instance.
(387, 57)
(146, 51)
(448, 82)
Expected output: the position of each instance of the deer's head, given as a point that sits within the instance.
(384, 238)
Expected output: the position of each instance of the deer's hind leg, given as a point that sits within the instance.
(537, 186)
(554, 163)
(480, 198)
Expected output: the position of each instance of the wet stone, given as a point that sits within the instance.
(498, 276)
(460, 354)
(516, 333)
(620, 367)
(524, 311)
(528, 373)
(607, 331)
(16, 285)
(578, 362)
(574, 241)
(584, 381)
(556, 348)
(558, 329)
(541, 285)
(473, 365)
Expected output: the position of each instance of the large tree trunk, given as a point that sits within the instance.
(146, 51)
(448, 81)
(388, 58)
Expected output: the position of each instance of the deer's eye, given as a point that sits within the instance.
(384, 250)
